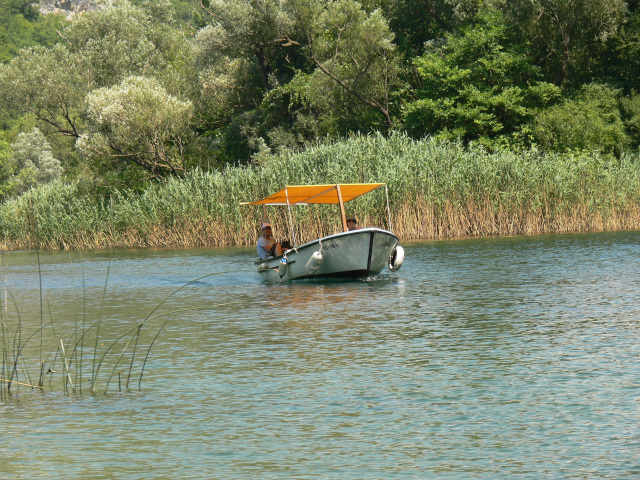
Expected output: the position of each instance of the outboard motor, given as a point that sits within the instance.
(396, 258)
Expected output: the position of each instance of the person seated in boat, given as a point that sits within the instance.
(352, 223)
(267, 245)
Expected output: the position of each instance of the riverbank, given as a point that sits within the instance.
(436, 190)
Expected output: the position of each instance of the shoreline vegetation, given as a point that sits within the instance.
(436, 190)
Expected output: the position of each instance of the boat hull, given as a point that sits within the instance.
(359, 253)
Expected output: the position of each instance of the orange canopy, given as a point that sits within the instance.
(305, 194)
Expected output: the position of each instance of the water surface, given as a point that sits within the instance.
(487, 358)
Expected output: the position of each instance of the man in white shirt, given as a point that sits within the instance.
(267, 245)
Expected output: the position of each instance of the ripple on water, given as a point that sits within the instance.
(488, 358)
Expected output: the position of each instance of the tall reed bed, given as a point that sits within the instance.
(436, 190)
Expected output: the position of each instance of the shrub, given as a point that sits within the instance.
(589, 122)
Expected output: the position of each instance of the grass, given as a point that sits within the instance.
(49, 358)
(436, 190)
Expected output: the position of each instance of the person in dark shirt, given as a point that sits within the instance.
(352, 223)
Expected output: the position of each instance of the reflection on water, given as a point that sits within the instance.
(486, 358)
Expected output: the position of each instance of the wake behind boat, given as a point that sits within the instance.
(356, 253)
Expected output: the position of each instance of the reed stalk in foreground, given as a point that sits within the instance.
(21, 353)
(436, 190)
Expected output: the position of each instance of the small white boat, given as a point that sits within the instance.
(357, 253)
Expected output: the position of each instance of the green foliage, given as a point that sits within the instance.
(7, 167)
(33, 161)
(617, 61)
(138, 121)
(48, 83)
(60, 87)
(254, 31)
(245, 66)
(476, 86)
(26, 163)
(125, 40)
(630, 110)
(261, 77)
(26, 8)
(564, 35)
(278, 74)
(589, 122)
(21, 25)
(357, 64)
(416, 22)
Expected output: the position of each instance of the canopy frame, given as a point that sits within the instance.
(334, 194)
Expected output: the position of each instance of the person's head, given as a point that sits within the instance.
(351, 222)
(266, 229)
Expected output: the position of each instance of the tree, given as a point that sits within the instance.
(102, 48)
(230, 83)
(477, 85)
(61, 86)
(33, 162)
(279, 74)
(124, 40)
(7, 167)
(562, 31)
(590, 121)
(256, 31)
(617, 61)
(138, 121)
(21, 25)
(415, 22)
(242, 56)
(351, 49)
(630, 110)
(48, 83)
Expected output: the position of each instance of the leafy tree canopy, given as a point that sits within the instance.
(32, 163)
(293, 70)
(565, 33)
(138, 121)
(589, 121)
(476, 85)
(140, 90)
(21, 25)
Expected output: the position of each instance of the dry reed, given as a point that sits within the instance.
(436, 190)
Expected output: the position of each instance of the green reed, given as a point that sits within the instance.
(52, 353)
(436, 189)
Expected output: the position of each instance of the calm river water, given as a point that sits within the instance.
(514, 358)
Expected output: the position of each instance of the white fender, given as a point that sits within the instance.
(314, 262)
(282, 267)
(396, 258)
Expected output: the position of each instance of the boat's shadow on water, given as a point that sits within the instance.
(249, 277)
(380, 279)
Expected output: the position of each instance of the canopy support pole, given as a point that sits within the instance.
(386, 189)
(293, 233)
(342, 214)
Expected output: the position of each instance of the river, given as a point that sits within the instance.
(484, 358)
